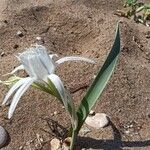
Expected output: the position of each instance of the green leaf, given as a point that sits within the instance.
(42, 87)
(130, 2)
(52, 87)
(147, 6)
(100, 82)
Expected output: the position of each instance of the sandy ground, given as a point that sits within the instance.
(85, 28)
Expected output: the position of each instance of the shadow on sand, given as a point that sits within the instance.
(114, 144)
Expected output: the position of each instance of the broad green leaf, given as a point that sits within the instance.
(100, 82)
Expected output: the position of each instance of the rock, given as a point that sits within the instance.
(66, 143)
(63, 107)
(55, 113)
(100, 120)
(3, 136)
(19, 34)
(55, 144)
(92, 113)
(2, 54)
(39, 40)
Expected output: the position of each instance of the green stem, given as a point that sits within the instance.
(73, 139)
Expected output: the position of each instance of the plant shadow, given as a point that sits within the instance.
(55, 129)
(114, 144)
(117, 143)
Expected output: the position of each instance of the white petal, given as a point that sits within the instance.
(59, 86)
(14, 88)
(46, 60)
(37, 62)
(37, 68)
(53, 55)
(24, 58)
(18, 95)
(21, 67)
(66, 98)
(74, 58)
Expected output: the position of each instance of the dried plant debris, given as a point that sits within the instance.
(138, 10)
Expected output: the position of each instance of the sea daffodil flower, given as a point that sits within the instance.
(42, 52)
(41, 68)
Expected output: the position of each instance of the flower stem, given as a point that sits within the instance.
(74, 135)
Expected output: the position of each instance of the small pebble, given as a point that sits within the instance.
(92, 113)
(2, 54)
(147, 36)
(19, 34)
(54, 29)
(55, 112)
(21, 148)
(39, 40)
(66, 143)
(3, 136)
(99, 120)
(94, 76)
(55, 144)
(127, 131)
(131, 126)
(63, 107)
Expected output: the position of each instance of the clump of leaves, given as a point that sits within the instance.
(138, 10)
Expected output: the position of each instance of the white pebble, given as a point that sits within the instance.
(55, 144)
(38, 38)
(55, 113)
(99, 120)
(3, 136)
(19, 33)
(92, 113)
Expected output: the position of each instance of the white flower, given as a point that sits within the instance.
(41, 51)
(41, 68)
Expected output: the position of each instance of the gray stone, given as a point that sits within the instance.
(3, 136)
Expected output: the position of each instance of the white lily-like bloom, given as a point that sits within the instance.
(41, 50)
(41, 70)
